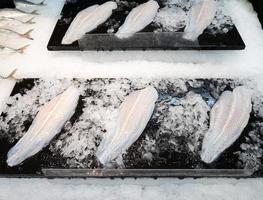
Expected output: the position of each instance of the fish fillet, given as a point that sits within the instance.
(134, 114)
(87, 20)
(6, 87)
(17, 14)
(201, 15)
(47, 124)
(229, 117)
(138, 19)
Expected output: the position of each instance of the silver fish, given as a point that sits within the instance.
(47, 124)
(229, 117)
(138, 19)
(87, 20)
(134, 114)
(7, 85)
(14, 25)
(30, 3)
(13, 40)
(201, 15)
(7, 50)
(17, 14)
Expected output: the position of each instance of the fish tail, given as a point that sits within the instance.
(22, 49)
(27, 34)
(34, 12)
(30, 21)
(42, 3)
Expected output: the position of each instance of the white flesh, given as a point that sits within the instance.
(201, 15)
(134, 114)
(87, 20)
(138, 19)
(229, 117)
(47, 124)
(6, 88)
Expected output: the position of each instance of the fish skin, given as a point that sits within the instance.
(13, 40)
(229, 117)
(14, 25)
(201, 16)
(134, 114)
(6, 86)
(46, 125)
(17, 14)
(30, 3)
(87, 20)
(7, 50)
(139, 17)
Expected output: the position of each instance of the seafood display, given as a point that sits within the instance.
(45, 126)
(134, 114)
(88, 20)
(15, 25)
(229, 117)
(201, 16)
(138, 19)
(131, 124)
(17, 14)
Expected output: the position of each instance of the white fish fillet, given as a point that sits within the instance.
(138, 19)
(134, 114)
(201, 15)
(6, 87)
(14, 40)
(87, 20)
(229, 117)
(47, 124)
(17, 14)
(14, 25)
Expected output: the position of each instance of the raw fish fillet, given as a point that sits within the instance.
(138, 19)
(134, 114)
(87, 20)
(47, 124)
(6, 87)
(229, 117)
(201, 15)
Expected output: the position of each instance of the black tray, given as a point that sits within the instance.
(167, 162)
(144, 40)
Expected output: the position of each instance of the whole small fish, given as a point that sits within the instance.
(7, 50)
(7, 85)
(14, 25)
(87, 20)
(47, 124)
(138, 19)
(14, 40)
(17, 14)
(30, 3)
(228, 118)
(134, 114)
(201, 15)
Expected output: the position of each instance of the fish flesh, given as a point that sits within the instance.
(228, 118)
(138, 19)
(7, 50)
(134, 114)
(17, 14)
(14, 25)
(13, 40)
(47, 124)
(87, 20)
(7, 85)
(201, 16)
